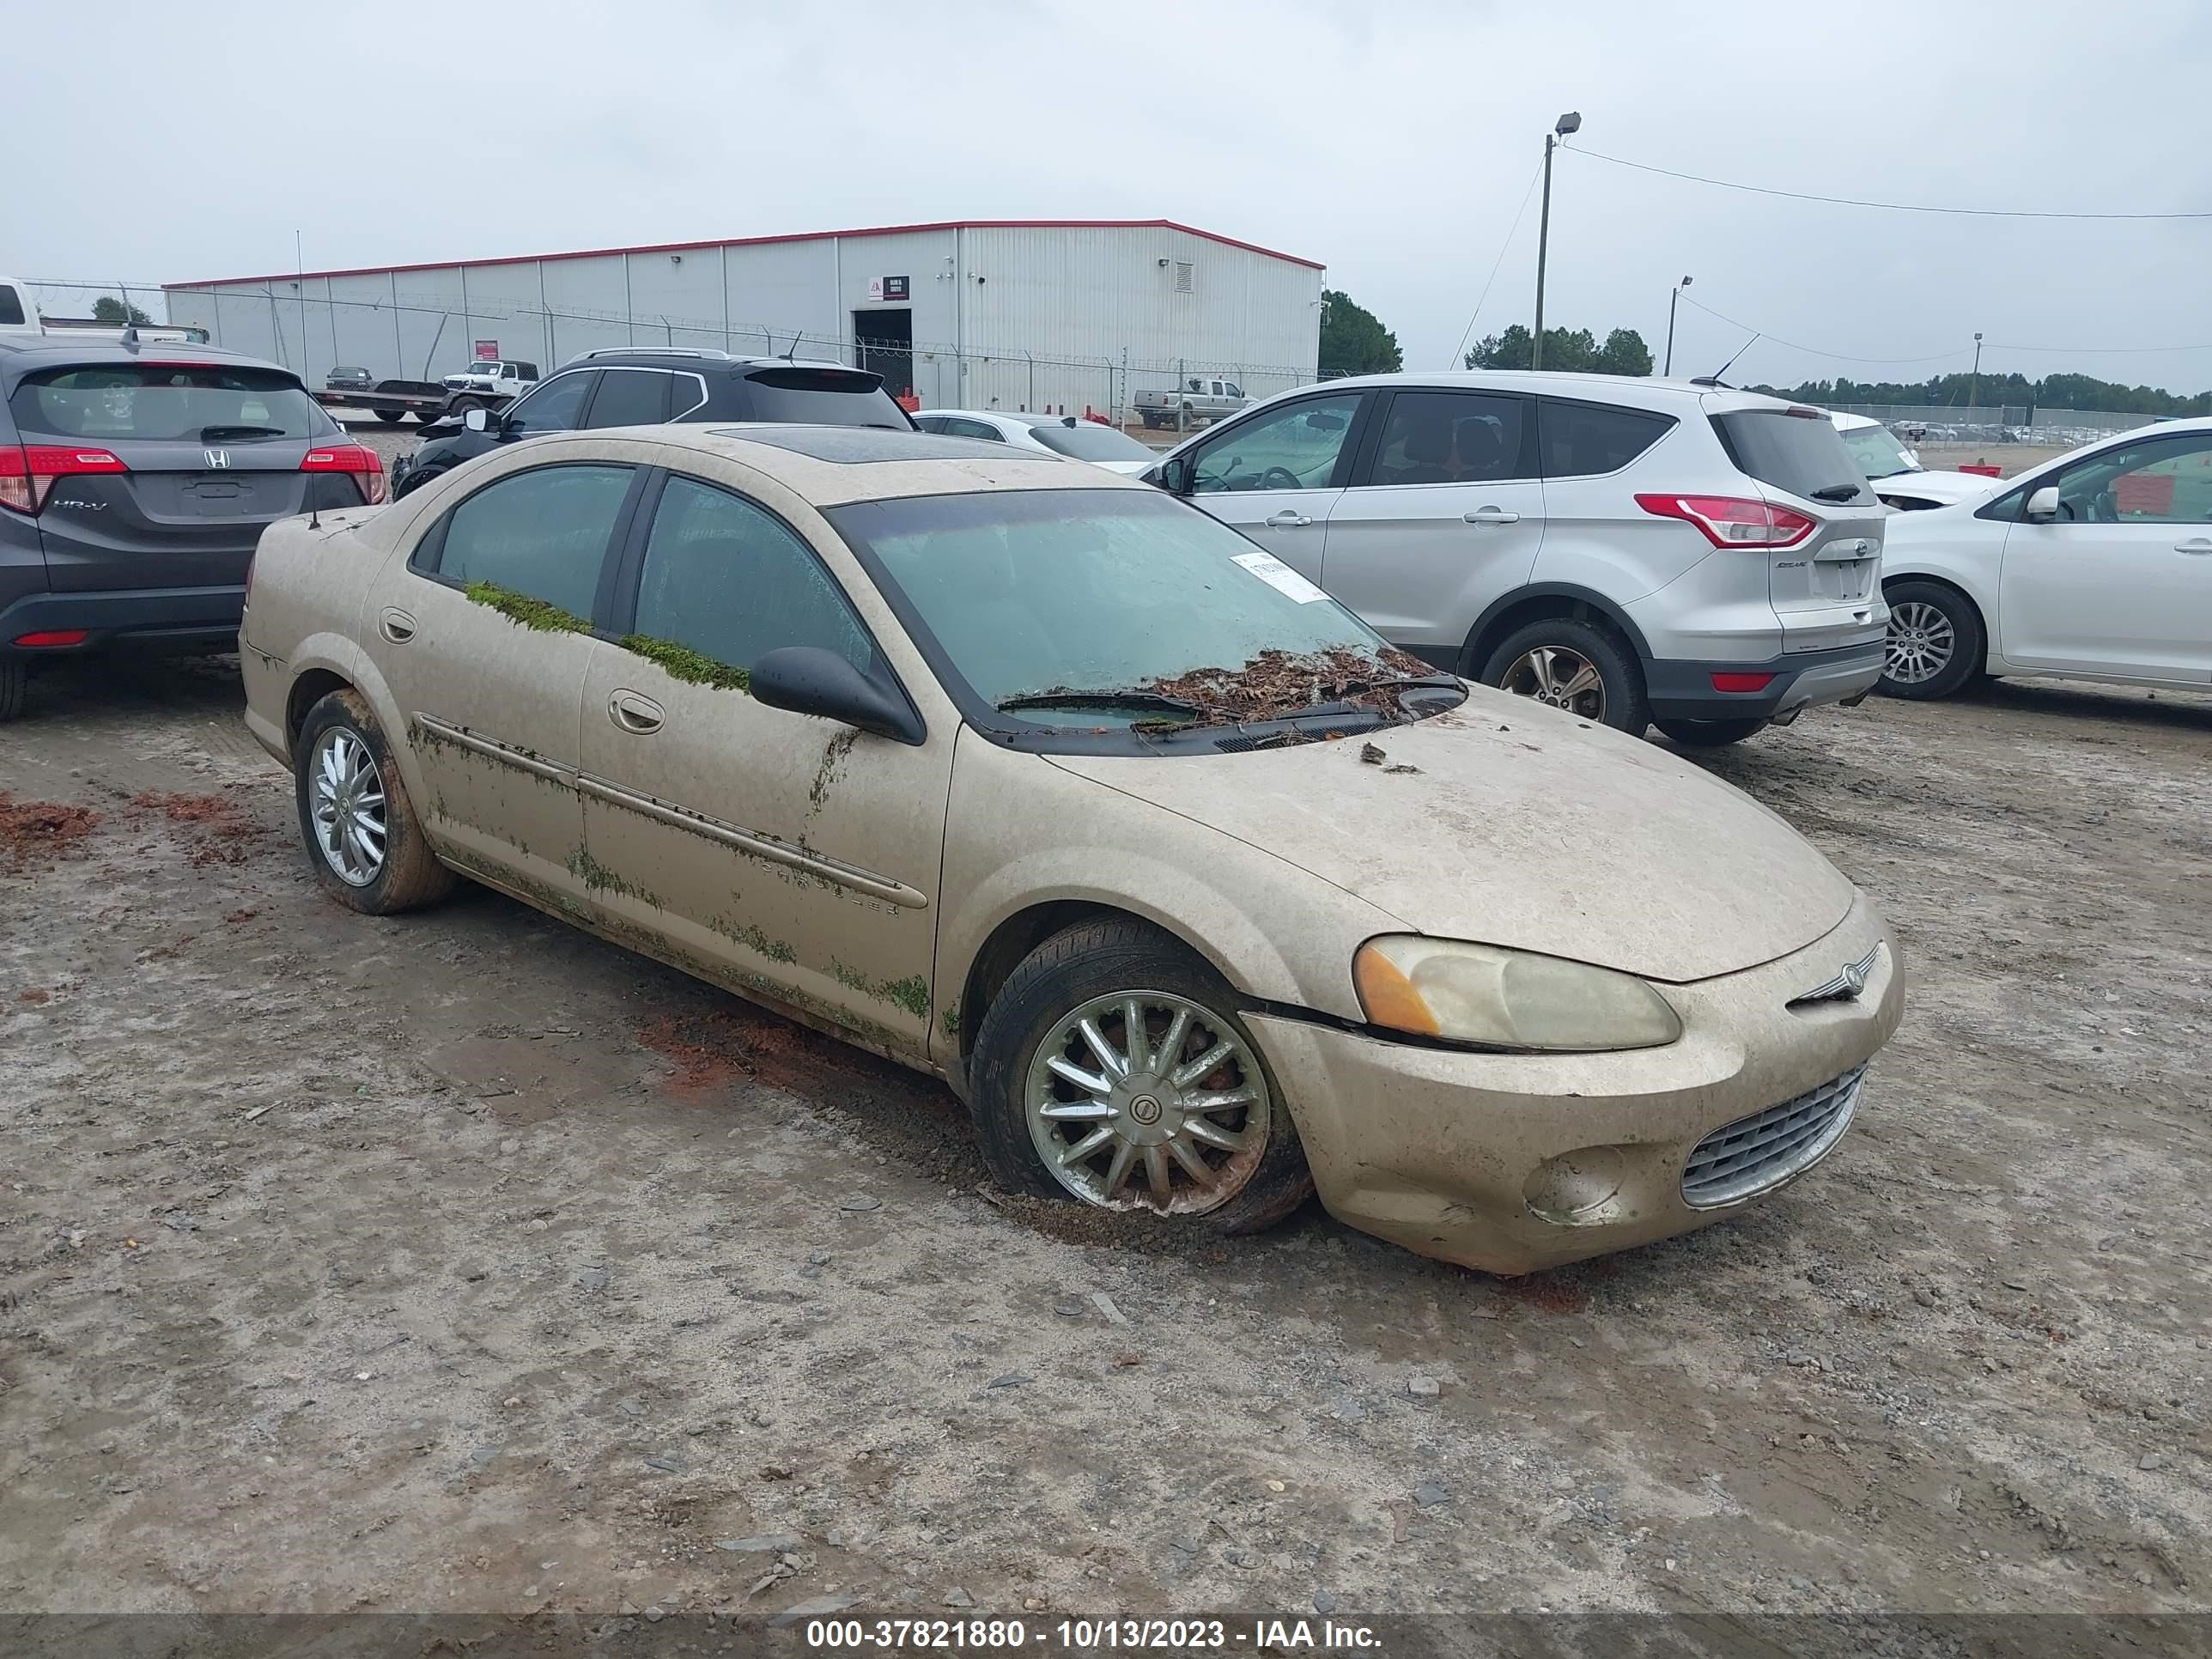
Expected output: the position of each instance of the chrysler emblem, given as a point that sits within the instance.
(1847, 985)
(218, 457)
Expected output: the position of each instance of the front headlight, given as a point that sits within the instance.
(1463, 993)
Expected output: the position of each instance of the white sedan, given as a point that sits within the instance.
(1895, 471)
(2095, 565)
(1057, 435)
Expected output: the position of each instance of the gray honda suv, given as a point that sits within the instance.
(135, 479)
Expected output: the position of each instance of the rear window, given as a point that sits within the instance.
(1087, 440)
(821, 397)
(1803, 454)
(1579, 440)
(167, 402)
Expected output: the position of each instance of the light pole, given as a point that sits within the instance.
(1974, 388)
(1673, 295)
(1569, 123)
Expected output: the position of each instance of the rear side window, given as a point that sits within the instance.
(821, 397)
(1803, 454)
(117, 403)
(1581, 440)
(629, 397)
(11, 304)
(1449, 437)
(729, 580)
(541, 533)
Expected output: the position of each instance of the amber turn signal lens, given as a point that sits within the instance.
(1387, 995)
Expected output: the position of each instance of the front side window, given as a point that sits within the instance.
(542, 534)
(629, 397)
(1173, 609)
(556, 406)
(2151, 481)
(1293, 447)
(1583, 440)
(1449, 437)
(731, 581)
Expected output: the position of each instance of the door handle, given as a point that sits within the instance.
(395, 624)
(1489, 515)
(1287, 520)
(635, 714)
(2196, 545)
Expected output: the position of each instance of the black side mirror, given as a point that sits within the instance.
(1175, 475)
(809, 680)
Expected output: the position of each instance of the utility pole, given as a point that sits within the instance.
(1974, 389)
(1673, 295)
(1570, 122)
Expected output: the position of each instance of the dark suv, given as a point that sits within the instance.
(644, 387)
(135, 479)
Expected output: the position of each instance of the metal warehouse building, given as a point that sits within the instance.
(1063, 315)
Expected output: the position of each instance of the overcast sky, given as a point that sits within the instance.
(1393, 140)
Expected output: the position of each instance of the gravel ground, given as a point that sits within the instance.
(460, 1261)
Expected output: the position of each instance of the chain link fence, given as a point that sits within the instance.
(1994, 423)
(422, 337)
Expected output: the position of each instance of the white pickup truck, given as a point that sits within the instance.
(488, 384)
(1200, 398)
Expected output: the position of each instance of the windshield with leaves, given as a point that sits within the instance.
(1116, 608)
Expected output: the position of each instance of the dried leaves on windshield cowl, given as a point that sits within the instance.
(1279, 683)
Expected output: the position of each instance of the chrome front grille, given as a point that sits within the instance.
(1765, 1149)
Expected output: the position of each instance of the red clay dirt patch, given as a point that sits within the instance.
(1547, 1292)
(711, 1047)
(41, 828)
(224, 830)
(34, 996)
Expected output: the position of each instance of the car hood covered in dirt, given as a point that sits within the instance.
(1521, 828)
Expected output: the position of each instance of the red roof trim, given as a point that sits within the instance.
(756, 241)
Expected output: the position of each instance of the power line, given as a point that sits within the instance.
(1459, 354)
(1815, 351)
(1890, 207)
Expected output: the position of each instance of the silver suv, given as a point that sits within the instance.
(1641, 552)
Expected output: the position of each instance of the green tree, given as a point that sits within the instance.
(1353, 340)
(115, 313)
(1566, 349)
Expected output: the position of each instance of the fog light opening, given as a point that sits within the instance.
(1576, 1188)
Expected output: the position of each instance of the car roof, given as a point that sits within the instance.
(1019, 416)
(31, 355)
(1630, 391)
(682, 357)
(833, 466)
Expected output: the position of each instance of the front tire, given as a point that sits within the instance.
(363, 841)
(1184, 1121)
(1708, 734)
(1936, 645)
(1573, 666)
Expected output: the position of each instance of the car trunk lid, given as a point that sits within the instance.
(1823, 585)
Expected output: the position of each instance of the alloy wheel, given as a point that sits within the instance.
(346, 797)
(1144, 1100)
(1920, 644)
(1560, 676)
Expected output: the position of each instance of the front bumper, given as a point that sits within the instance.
(1515, 1162)
(153, 619)
(1684, 690)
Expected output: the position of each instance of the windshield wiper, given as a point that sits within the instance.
(209, 434)
(1097, 700)
(1844, 492)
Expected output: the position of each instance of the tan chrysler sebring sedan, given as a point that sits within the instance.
(1037, 779)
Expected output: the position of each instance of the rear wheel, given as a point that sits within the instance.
(14, 672)
(1112, 1068)
(363, 841)
(1708, 734)
(390, 417)
(1574, 666)
(1936, 645)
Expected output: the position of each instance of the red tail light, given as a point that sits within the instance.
(1742, 681)
(53, 636)
(1733, 521)
(27, 473)
(356, 458)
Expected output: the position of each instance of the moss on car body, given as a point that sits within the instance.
(525, 612)
(681, 662)
(911, 995)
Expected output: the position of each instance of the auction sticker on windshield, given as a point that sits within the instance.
(1280, 576)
